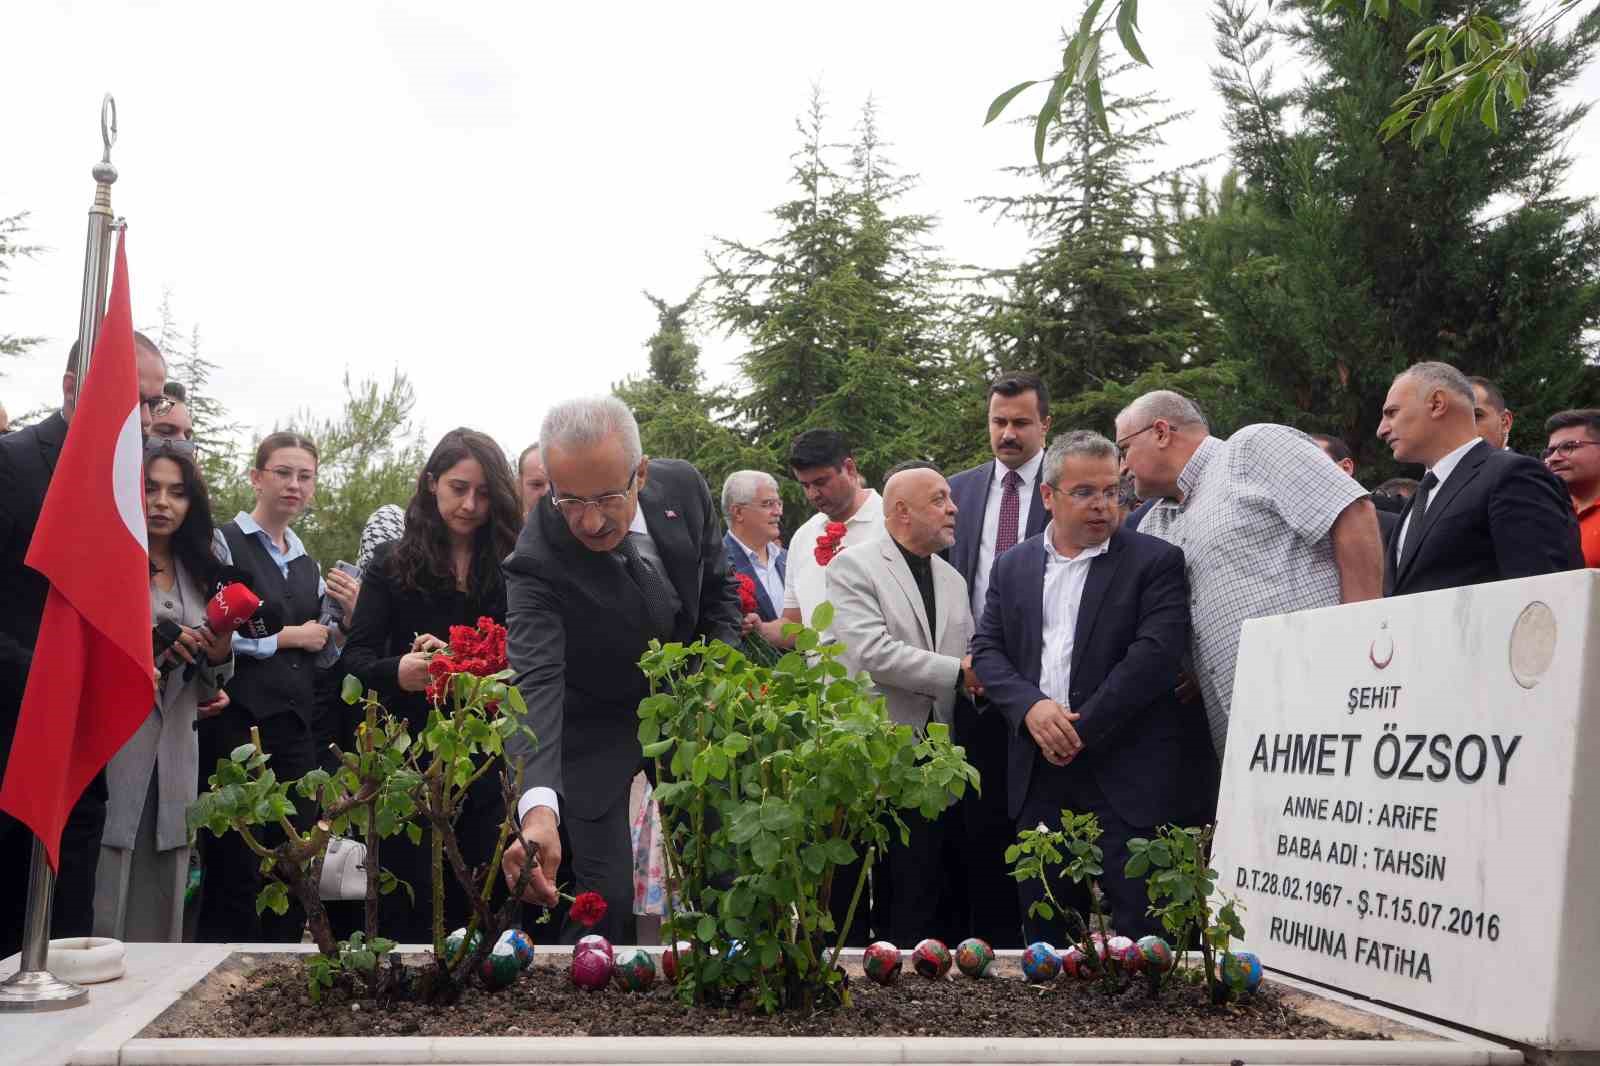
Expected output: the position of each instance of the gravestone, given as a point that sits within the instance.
(1410, 807)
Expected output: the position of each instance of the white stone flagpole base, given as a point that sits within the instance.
(33, 987)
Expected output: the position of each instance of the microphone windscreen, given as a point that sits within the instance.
(228, 609)
(267, 620)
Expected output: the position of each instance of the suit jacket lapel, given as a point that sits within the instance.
(1038, 517)
(948, 593)
(672, 543)
(1442, 497)
(782, 563)
(52, 433)
(742, 565)
(1031, 603)
(1101, 570)
(907, 583)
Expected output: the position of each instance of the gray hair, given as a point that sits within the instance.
(741, 487)
(1442, 376)
(1084, 442)
(587, 421)
(1175, 408)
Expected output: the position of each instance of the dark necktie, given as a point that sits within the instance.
(1419, 509)
(1005, 535)
(656, 600)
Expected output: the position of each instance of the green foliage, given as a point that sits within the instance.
(1332, 259)
(1106, 294)
(222, 459)
(1181, 884)
(1467, 64)
(1041, 854)
(12, 248)
(770, 779)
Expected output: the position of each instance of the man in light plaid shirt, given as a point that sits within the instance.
(1267, 525)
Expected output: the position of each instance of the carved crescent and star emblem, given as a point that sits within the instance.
(1381, 658)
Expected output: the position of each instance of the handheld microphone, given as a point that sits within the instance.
(163, 637)
(230, 608)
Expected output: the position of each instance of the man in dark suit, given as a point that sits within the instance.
(1078, 650)
(753, 508)
(27, 460)
(999, 506)
(623, 550)
(1481, 513)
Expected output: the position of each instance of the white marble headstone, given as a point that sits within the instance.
(1410, 805)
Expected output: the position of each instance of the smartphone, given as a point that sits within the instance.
(348, 568)
(331, 611)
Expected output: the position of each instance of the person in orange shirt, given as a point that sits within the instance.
(1573, 455)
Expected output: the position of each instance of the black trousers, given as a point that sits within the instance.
(982, 895)
(72, 910)
(599, 852)
(909, 885)
(232, 870)
(1076, 790)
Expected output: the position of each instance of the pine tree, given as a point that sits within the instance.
(844, 311)
(215, 433)
(1106, 295)
(1344, 258)
(13, 248)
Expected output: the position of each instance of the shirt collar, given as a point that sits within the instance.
(871, 511)
(1196, 466)
(749, 551)
(913, 560)
(1445, 466)
(1028, 470)
(293, 549)
(1053, 556)
(638, 524)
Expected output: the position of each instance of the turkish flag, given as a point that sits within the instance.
(92, 681)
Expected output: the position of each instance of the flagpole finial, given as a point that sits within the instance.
(104, 173)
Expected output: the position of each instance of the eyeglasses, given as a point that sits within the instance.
(574, 508)
(154, 447)
(284, 473)
(1122, 445)
(159, 405)
(1567, 447)
(1083, 493)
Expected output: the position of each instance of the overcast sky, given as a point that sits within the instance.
(477, 192)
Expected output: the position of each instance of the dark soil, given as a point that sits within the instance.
(259, 997)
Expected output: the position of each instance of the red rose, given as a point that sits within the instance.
(828, 544)
(589, 909)
(747, 594)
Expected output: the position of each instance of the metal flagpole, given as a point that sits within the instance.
(33, 987)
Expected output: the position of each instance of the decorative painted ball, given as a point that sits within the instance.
(1156, 954)
(591, 969)
(669, 959)
(1040, 963)
(635, 969)
(974, 956)
(520, 944)
(1100, 945)
(452, 943)
(1246, 965)
(1075, 964)
(500, 967)
(881, 962)
(595, 942)
(1123, 950)
(931, 958)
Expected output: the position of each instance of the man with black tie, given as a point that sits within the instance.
(624, 549)
(1078, 651)
(752, 507)
(999, 506)
(27, 460)
(1481, 513)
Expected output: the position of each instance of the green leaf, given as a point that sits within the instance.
(822, 617)
(1137, 866)
(659, 748)
(706, 931)
(1090, 13)
(1097, 105)
(999, 105)
(765, 851)
(1048, 113)
(350, 689)
(1488, 113)
(1128, 30)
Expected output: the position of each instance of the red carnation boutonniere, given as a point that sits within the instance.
(828, 544)
(747, 594)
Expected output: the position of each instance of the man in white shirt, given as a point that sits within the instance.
(1078, 650)
(822, 464)
(1000, 507)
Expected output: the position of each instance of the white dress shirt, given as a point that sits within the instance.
(543, 795)
(1441, 471)
(1064, 579)
(807, 584)
(1027, 498)
(767, 572)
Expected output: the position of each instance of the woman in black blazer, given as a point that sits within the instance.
(443, 571)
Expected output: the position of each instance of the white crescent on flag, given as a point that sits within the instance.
(127, 476)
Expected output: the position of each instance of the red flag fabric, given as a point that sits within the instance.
(93, 679)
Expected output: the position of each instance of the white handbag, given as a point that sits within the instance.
(344, 870)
